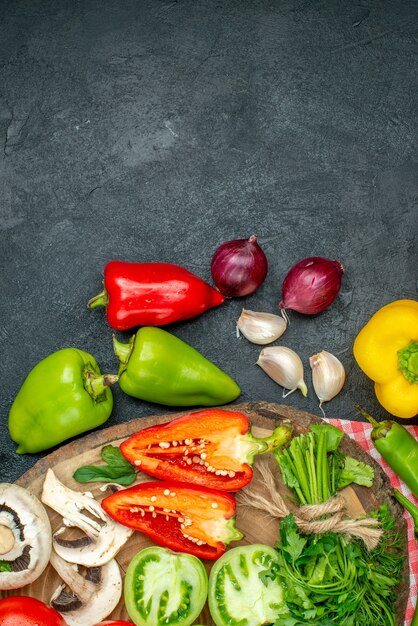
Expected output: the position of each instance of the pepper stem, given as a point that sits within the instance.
(277, 439)
(368, 417)
(231, 532)
(408, 362)
(102, 299)
(408, 506)
(123, 350)
(96, 384)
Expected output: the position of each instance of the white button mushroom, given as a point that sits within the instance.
(91, 597)
(103, 537)
(25, 537)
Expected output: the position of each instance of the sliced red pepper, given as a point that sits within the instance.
(182, 517)
(152, 294)
(213, 448)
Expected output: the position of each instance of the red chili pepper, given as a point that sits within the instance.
(182, 517)
(152, 294)
(214, 448)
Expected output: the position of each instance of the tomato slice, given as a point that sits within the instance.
(115, 623)
(186, 518)
(238, 594)
(213, 448)
(164, 587)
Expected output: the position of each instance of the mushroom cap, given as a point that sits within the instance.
(26, 530)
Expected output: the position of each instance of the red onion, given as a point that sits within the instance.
(239, 267)
(311, 285)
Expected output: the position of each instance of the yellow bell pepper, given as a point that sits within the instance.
(386, 349)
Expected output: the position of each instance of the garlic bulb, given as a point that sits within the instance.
(328, 375)
(261, 328)
(285, 367)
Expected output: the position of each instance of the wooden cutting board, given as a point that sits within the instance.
(257, 526)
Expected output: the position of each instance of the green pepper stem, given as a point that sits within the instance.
(232, 532)
(96, 384)
(102, 299)
(277, 439)
(408, 506)
(123, 350)
(368, 417)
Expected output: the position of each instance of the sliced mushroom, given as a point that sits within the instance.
(84, 600)
(103, 537)
(25, 537)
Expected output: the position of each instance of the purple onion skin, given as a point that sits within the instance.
(239, 267)
(311, 285)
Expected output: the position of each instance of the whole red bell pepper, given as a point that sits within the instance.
(182, 517)
(213, 447)
(152, 294)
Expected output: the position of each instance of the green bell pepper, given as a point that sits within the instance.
(239, 594)
(158, 367)
(164, 587)
(64, 395)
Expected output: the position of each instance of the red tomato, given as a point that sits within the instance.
(25, 611)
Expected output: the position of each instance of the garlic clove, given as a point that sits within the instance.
(328, 375)
(285, 367)
(261, 328)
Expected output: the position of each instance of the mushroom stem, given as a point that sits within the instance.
(7, 539)
(83, 589)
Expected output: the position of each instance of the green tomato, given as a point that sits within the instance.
(238, 596)
(165, 588)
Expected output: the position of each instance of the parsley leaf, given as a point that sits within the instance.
(5, 566)
(355, 471)
(291, 542)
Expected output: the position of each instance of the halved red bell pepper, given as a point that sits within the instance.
(213, 447)
(152, 294)
(182, 517)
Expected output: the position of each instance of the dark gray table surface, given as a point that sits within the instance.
(154, 130)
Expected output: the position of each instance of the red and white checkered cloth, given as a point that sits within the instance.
(360, 432)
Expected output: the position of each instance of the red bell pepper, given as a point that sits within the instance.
(182, 517)
(213, 447)
(152, 294)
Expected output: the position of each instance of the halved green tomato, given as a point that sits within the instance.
(165, 588)
(238, 595)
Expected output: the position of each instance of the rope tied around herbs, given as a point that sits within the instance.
(329, 516)
(311, 520)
